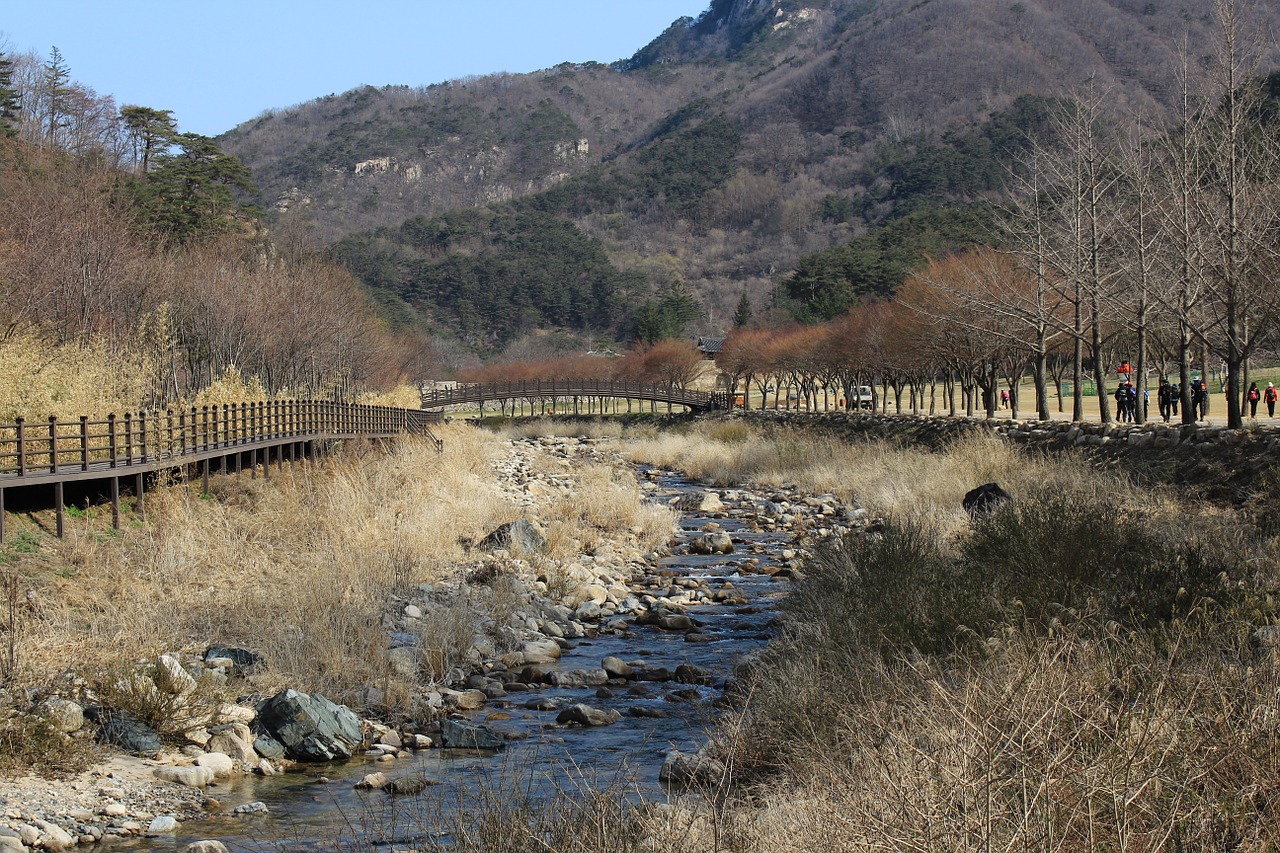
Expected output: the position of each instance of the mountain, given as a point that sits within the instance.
(721, 155)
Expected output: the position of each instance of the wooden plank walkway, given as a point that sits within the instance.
(135, 445)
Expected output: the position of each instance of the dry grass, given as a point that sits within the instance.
(39, 378)
(297, 567)
(599, 505)
(884, 478)
(1069, 742)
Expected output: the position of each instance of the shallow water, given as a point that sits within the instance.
(316, 806)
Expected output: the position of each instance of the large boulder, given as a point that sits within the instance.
(518, 537)
(985, 499)
(712, 543)
(310, 727)
(459, 734)
(123, 730)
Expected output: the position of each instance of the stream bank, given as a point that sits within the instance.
(643, 642)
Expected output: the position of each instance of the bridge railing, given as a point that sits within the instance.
(148, 438)
(547, 388)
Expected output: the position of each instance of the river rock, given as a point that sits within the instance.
(712, 543)
(617, 668)
(268, 747)
(192, 777)
(121, 729)
(519, 537)
(235, 745)
(571, 679)
(541, 651)
(237, 661)
(310, 727)
(459, 734)
(63, 714)
(171, 678)
(258, 807)
(372, 782)
(407, 786)
(700, 502)
(220, 763)
(680, 768)
(209, 846)
(161, 824)
(12, 844)
(52, 836)
(585, 715)
(985, 499)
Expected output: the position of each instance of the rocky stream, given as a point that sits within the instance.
(612, 679)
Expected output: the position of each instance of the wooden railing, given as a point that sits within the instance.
(544, 389)
(53, 449)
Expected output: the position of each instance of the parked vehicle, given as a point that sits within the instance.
(864, 399)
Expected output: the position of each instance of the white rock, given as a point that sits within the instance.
(9, 844)
(229, 713)
(171, 678)
(219, 763)
(163, 823)
(234, 745)
(53, 837)
(205, 847)
(192, 777)
(114, 810)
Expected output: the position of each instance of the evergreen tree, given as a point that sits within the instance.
(151, 131)
(9, 101)
(55, 94)
(743, 313)
(190, 194)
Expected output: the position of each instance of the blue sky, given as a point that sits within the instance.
(218, 64)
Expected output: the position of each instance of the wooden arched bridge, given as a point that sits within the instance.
(224, 439)
(547, 394)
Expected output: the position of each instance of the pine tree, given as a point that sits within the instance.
(743, 313)
(9, 101)
(54, 95)
(151, 130)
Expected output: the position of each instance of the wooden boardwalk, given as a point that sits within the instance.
(229, 438)
(567, 389)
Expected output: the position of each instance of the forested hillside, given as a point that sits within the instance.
(825, 120)
(133, 272)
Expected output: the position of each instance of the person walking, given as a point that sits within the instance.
(1164, 399)
(1175, 398)
(1269, 397)
(1122, 404)
(1253, 396)
(1198, 393)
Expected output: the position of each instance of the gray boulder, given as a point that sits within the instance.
(460, 734)
(585, 715)
(519, 537)
(310, 727)
(712, 543)
(123, 730)
(680, 768)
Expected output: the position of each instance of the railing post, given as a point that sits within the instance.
(168, 418)
(53, 443)
(111, 438)
(128, 438)
(142, 436)
(21, 440)
(204, 423)
(84, 442)
(195, 430)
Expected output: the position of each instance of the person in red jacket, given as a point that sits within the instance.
(1253, 396)
(1269, 397)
